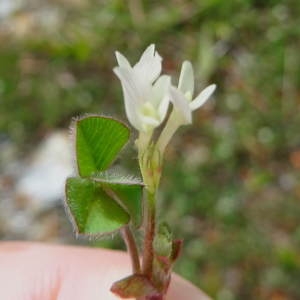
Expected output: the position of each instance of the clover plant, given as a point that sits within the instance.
(102, 200)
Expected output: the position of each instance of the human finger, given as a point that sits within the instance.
(34, 271)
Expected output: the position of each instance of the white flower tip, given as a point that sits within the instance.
(186, 78)
(202, 97)
(118, 56)
(149, 52)
(151, 48)
(116, 70)
(187, 64)
(122, 60)
(212, 87)
(208, 91)
(156, 55)
(187, 70)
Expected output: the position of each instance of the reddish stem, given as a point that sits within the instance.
(132, 249)
(149, 235)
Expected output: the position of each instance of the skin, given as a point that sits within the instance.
(33, 271)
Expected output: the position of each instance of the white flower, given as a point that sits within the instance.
(145, 93)
(182, 97)
(183, 104)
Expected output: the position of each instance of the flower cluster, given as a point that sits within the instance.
(148, 94)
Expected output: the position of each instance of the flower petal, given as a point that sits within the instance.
(129, 81)
(181, 105)
(131, 113)
(202, 97)
(149, 66)
(148, 53)
(161, 96)
(160, 89)
(186, 79)
(163, 108)
(132, 95)
(122, 60)
(148, 123)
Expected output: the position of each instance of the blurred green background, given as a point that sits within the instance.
(231, 181)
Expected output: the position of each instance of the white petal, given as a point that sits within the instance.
(122, 60)
(186, 79)
(131, 95)
(163, 107)
(131, 112)
(149, 121)
(148, 53)
(149, 66)
(129, 82)
(181, 105)
(160, 89)
(202, 97)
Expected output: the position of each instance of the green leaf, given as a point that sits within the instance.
(93, 211)
(127, 189)
(98, 140)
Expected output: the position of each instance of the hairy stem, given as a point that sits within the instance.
(132, 249)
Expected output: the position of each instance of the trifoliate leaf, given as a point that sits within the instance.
(126, 189)
(92, 210)
(98, 140)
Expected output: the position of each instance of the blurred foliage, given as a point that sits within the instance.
(231, 186)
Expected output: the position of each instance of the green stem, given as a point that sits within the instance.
(132, 249)
(149, 235)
